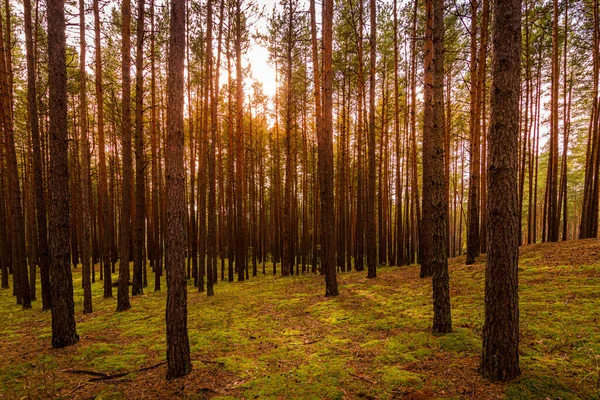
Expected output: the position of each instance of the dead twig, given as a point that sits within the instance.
(364, 378)
(101, 376)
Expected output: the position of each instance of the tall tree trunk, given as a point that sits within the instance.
(19, 255)
(481, 76)
(500, 359)
(139, 232)
(399, 234)
(426, 228)
(325, 144)
(210, 98)
(156, 253)
(436, 194)
(64, 332)
(589, 215)
(318, 119)
(40, 202)
(103, 188)
(473, 245)
(85, 169)
(360, 179)
(126, 189)
(178, 347)
(553, 215)
(371, 223)
(416, 209)
(567, 86)
(240, 245)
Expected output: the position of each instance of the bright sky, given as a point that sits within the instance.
(258, 56)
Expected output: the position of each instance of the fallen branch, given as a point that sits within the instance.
(313, 341)
(83, 372)
(364, 379)
(211, 361)
(107, 377)
(101, 376)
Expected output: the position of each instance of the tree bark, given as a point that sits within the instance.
(473, 244)
(325, 145)
(436, 197)
(178, 347)
(500, 359)
(64, 332)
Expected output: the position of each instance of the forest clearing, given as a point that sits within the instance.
(276, 337)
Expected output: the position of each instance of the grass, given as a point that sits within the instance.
(274, 337)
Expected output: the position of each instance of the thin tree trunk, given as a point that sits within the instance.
(40, 202)
(19, 256)
(126, 189)
(473, 244)
(139, 225)
(85, 169)
(371, 227)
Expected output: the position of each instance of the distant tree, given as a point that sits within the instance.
(17, 216)
(325, 139)
(126, 157)
(40, 199)
(103, 199)
(210, 100)
(86, 262)
(371, 227)
(139, 225)
(240, 179)
(473, 245)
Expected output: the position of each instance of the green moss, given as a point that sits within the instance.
(396, 377)
(274, 337)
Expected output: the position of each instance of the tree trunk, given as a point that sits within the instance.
(63, 314)
(85, 170)
(126, 189)
(178, 347)
(212, 218)
(19, 256)
(473, 245)
(40, 202)
(325, 145)
(435, 176)
(140, 161)
(553, 215)
(426, 228)
(500, 359)
(371, 223)
(156, 253)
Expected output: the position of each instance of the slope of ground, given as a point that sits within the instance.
(274, 337)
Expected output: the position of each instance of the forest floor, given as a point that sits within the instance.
(275, 337)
